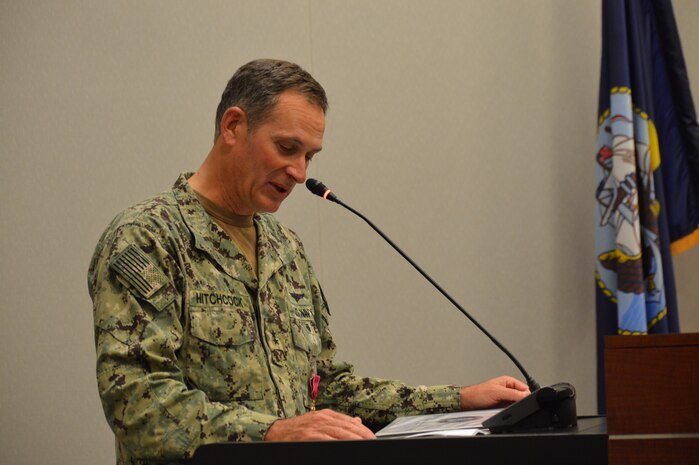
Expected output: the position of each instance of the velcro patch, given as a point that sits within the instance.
(137, 269)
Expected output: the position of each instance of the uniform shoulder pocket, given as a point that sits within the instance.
(136, 270)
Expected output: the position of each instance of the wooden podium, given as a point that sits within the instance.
(652, 386)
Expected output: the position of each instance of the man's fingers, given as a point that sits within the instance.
(339, 432)
(514, 383)
(319, 425)
(513, 394)
(341, 426)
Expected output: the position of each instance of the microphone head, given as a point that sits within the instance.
(315, 186)
(320, 189)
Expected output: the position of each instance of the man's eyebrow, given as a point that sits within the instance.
(297, 141)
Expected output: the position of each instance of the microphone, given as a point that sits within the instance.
(549, 407)
(318, 188)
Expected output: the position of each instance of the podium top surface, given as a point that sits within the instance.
(584, 444)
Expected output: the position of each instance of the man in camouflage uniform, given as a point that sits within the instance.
(209, 320)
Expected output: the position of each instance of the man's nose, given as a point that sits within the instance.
(297, 170)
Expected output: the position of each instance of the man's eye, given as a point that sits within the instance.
(286, 148)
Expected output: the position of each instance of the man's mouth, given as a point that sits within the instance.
(281, 189)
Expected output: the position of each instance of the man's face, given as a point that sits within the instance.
(268, 162)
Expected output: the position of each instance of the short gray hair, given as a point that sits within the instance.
(255, 88)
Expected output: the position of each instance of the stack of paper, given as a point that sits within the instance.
(456, 424)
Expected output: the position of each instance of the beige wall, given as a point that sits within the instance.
(464, 129)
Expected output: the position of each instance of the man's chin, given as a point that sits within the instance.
(269, 207)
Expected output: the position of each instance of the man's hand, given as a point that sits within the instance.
(494, 393)
(317, 426)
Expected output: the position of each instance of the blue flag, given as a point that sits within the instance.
(647, 172)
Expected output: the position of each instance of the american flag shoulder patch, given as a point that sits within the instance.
(138, 271)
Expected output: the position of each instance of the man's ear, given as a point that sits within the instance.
(234, 124)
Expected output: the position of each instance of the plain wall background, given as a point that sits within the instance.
(464, 129)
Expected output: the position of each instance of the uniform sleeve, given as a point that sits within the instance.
(135, 282)
(374, 400)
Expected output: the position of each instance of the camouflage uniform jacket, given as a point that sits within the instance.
(193, 348)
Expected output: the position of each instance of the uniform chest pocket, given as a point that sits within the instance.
(304, 330)
(223, 357)
(222, 326)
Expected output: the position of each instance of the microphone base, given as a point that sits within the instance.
(547, 408)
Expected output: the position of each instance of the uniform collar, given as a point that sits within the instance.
(274, 249)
